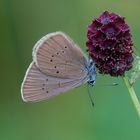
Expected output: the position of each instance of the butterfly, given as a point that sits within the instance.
(58, 65)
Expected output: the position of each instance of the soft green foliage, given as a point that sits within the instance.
(69, 116)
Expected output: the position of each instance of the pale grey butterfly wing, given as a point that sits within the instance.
(37, 86)
(57, 55)
(58, 66)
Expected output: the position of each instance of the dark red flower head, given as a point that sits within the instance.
(109, 44)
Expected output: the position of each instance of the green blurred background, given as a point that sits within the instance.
(68, 116)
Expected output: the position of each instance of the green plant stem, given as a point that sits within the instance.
(132, 94)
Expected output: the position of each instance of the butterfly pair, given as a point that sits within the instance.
(58, 65)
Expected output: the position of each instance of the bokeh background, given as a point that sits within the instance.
(68, 116)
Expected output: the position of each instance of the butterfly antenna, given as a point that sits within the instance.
(112, 84)
(90, 94)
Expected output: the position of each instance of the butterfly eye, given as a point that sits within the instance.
(92, 82)
(65, 47)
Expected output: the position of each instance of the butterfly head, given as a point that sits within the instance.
(91, 72)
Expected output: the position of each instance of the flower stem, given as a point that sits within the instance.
(132, 94)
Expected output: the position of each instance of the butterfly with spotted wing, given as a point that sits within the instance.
(58, 65)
